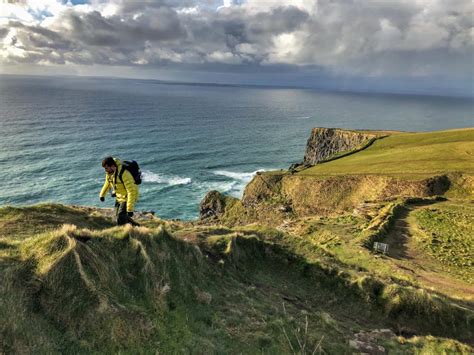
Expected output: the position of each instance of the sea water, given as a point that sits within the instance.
(188, 139)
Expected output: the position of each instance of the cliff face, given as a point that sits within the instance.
(304, 196)
(325, 143)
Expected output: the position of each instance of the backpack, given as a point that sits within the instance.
(134, 169)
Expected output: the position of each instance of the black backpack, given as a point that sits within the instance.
(134, 169)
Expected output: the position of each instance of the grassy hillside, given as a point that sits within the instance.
(444, 231)
(288, 269)
(406, 154)
(177, 287)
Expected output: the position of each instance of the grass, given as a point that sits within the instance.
(427, 346)
(446, 232)
(140, 289)
(408, 154)
(245, 289)
(18, 223)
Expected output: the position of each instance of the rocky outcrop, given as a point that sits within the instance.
(212, 205)
(262, 187)
(326, 143)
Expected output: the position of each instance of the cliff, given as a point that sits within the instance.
(305, 196)
(395, 165)
(327, 143)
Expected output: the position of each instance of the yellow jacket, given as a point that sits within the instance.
(126, 191)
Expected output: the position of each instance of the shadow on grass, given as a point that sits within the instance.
(406, 307)
(4, 245)
(399, 233)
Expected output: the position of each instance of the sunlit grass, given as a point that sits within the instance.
(408, 153)
(446, 232)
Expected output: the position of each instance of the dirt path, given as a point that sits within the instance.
(409, 259)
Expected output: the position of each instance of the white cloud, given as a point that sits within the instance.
(188, 10)
(286, 47)
(385, 37)
(309, 6)
(17, 12)
(225, 4)
(223, 57)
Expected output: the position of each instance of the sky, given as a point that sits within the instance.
(413, 46)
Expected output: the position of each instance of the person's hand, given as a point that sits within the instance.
(130, 214)
(102, 198)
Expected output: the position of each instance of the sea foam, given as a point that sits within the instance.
(245, 177)
(149, 176)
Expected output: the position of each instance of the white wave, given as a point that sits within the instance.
(245, 177)
(232, 188)
(221, 186)
(302, 117)
(237, 186)
(224, 187)
(149, 176)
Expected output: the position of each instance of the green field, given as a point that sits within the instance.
(406, 154)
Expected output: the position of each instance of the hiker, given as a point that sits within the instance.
(124, 187)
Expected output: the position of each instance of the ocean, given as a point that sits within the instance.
(188, 138)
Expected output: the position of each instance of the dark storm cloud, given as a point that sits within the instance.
(36, 37)
(93, 29)
(149, 30)
(357, 37)
(3, 32)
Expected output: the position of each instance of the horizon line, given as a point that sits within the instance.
(259, 86)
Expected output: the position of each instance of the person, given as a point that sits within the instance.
(126, 191)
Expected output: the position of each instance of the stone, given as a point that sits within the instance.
(326, 142)
(212, 205)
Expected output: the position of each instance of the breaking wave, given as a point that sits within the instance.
(149, 176)
(223, 187)
(237, 186)
(245, 177)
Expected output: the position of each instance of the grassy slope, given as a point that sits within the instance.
(304, 284)
(445, 232)
(424, 251)
(143, 290)
(207, 289)
(408, 153)
(24, 222)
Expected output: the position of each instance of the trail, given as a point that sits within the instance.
(408, 258)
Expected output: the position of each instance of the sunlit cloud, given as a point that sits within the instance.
(364, 38)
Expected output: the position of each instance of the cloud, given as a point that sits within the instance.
(372, 38)
(3, 32)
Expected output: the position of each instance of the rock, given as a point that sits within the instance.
(285, 208)
(213, 205)
(294, 167)
(367, 342)
(353, 344)
(326, 142)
